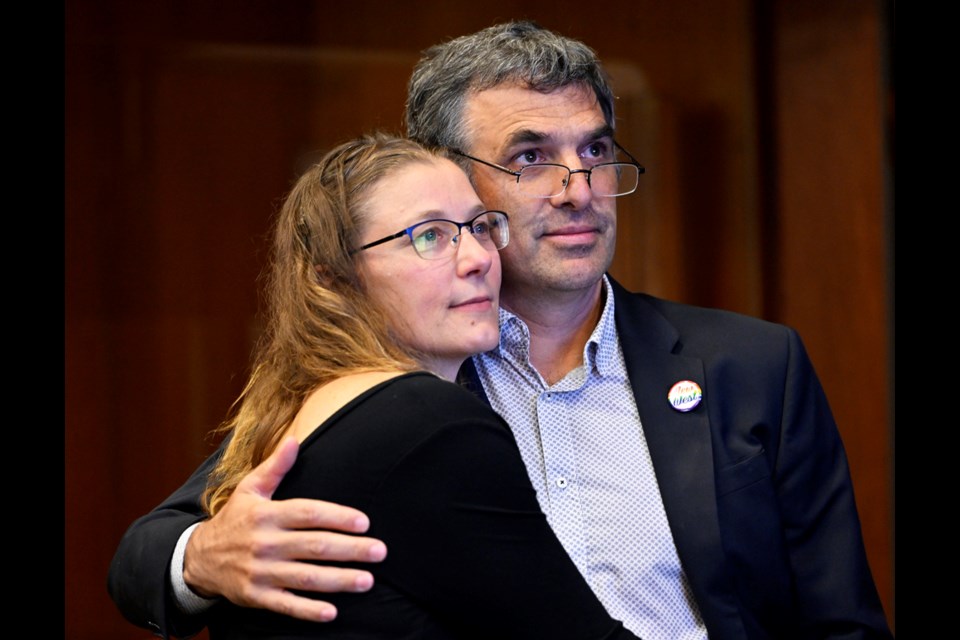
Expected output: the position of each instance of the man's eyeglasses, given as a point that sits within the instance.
(439, 238)
(548, 180)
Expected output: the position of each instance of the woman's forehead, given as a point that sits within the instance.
(435, 188)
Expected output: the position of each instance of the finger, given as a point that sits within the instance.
(286, 603)
(266, 477)
(304, 513)
(301, 576)
(327, 546)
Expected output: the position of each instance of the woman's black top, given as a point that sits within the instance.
(469, 552)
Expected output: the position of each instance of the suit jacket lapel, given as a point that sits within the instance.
(682, 453)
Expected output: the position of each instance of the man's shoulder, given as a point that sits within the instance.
(700, 315)
(643, 314)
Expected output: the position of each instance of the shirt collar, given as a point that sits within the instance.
(602, 345)
(599, 354)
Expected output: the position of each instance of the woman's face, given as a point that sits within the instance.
(448, 307)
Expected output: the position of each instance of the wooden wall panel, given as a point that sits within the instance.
(829, 247)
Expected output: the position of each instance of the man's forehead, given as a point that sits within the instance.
(512, 113)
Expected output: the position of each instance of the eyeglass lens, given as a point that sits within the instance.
(438, 238)
(548, 180)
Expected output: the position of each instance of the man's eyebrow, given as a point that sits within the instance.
(527, 136)
(524, 136)
(604, 131)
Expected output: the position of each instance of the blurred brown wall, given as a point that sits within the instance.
(766, 129)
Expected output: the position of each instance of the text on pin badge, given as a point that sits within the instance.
(685, 395)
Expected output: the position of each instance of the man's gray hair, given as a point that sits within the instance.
(521, 52)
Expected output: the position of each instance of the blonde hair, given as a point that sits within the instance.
(320, 324)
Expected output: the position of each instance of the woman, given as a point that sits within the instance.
(385, 278)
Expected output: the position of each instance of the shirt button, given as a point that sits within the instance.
(562, 483)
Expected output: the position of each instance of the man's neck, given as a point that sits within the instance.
(560, 324)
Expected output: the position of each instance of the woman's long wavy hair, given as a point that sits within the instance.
(320, 322)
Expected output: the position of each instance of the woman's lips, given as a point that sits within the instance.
(478, 303)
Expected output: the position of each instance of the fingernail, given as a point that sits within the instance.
(363, 582)
(377, 551)
(328, 615)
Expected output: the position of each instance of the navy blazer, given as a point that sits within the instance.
(754, 480)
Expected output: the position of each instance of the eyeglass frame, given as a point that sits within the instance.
(589, 172)
(460, 225)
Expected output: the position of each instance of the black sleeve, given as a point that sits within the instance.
(821, 523)
(138, 579)
(469, 542)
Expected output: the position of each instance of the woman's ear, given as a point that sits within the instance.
(324, 277)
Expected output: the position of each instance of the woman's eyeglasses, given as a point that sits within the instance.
(439, 238)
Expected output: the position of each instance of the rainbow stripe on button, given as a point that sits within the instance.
(685, 395)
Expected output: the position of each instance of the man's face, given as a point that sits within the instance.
(563, 243)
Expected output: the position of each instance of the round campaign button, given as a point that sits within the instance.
(685, 395)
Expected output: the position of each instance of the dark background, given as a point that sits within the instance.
(766, 128)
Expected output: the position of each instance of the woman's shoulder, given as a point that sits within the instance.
(397, 420)
(384, 426)
(425, 393)
(407, 407)
(425, 381)
(332, 397)
(419, 416)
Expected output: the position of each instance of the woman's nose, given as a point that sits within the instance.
(473, 255)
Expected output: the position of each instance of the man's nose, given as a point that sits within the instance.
(577, 193)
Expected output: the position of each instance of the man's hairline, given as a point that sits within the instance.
(466, 134)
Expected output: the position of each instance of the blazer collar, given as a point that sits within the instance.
(681, 448)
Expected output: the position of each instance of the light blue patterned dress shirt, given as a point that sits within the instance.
(587, 457)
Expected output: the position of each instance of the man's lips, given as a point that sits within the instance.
(575, 233)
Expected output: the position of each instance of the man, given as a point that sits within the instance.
(686, 457)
